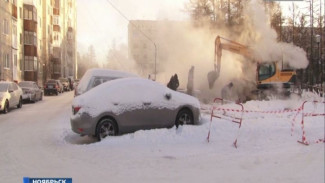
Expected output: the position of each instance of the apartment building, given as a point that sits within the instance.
(63, 58)
(38, 39)
(6, 16)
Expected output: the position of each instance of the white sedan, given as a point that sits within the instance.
(10, 96)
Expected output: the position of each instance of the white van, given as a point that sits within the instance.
(95, 77)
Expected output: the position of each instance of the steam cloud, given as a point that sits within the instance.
(186, 45)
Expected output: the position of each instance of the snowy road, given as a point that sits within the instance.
(36, 141)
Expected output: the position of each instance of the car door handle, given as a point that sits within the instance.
(146, 103)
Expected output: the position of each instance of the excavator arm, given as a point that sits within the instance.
(231, 46)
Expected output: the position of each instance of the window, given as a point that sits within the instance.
(30, 38)
(265, 71)
(56, 68)
(5, 26)
(30, 63)
(56, 20)
(15, 86)
(21, 64)
(70, 35)
(11, 87)
(6, 61)
(15, 60)
(30, 13)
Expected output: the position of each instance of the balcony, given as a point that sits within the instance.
(56, 28)
(30, 76)
(14, 11)
(30, 25)
(56, 11)
(30, 50)
(56, 60)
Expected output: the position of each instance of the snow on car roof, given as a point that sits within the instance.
(131, 93)
(84, 81)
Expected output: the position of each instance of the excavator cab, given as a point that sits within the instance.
(266, 71)
(273, 73)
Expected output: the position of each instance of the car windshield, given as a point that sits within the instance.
(25, 84)
(3, 87)
(51, 81)
(64, 80)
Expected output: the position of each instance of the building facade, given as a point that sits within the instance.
(38, 40)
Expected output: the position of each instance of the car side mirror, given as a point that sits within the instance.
(168, 96)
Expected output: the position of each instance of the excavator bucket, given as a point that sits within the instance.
(212, 77)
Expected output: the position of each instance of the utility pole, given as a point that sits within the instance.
(293, 22)
(311, 69)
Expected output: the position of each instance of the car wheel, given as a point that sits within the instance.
(6, 107)
(184, 117)
(20, 104)
(106, 127)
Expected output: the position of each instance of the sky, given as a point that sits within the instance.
(102, 26)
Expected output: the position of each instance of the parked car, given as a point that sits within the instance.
(130, 104)
(52, 87)
(75, 83)
(65, 83)
(31, 91)
(95, 77)
(61, 90)
(10, 96)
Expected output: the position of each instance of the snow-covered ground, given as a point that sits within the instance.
(36, 141)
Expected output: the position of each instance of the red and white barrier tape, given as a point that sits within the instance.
(242, 111)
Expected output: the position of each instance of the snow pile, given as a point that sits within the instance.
(128, 94)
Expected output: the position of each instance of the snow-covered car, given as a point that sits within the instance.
(31, 91)
(130, 104)
(95, 77)
(10, 96)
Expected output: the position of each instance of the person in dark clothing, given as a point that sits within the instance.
(173, 82)
(190, 82)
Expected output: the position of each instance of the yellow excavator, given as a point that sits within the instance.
(269, 75)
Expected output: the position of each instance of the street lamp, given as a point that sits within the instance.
(317, 39)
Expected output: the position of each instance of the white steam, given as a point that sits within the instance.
(257, 32)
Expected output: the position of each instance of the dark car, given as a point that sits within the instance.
(31, 91)
(52, 87)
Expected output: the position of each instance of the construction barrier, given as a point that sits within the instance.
(241, 111)
(225, 116)
(304, 114)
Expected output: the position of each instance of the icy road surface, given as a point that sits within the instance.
(36, 141)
